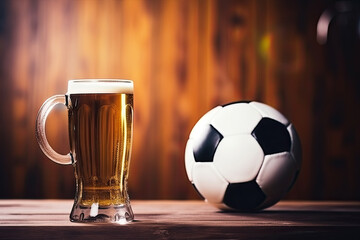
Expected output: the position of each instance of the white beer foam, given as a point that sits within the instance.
(100, 86)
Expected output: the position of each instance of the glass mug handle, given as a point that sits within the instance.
(44, 111)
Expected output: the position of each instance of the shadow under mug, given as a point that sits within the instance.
(100, 122)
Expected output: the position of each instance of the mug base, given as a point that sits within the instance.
(120, 214)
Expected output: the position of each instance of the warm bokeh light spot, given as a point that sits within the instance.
(265, 46)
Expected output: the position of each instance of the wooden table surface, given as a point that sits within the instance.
(49, 219)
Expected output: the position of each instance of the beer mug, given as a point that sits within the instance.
(100, 117)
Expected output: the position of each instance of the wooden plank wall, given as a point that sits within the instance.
(185, 57)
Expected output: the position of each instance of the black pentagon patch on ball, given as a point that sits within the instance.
(272, 136)
(242, 101)
(205, 144)
(244, 196)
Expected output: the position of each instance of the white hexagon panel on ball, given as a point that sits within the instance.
(238, 158)
(207, 180)
(240, 118)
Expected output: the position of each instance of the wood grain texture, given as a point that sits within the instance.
(185, 220)
(185, 57)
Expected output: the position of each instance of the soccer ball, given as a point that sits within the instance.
(243, 156)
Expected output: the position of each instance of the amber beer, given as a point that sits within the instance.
(100, 129)
(100, 117)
